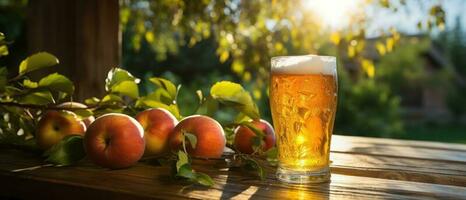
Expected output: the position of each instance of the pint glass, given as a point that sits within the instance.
(303, 100)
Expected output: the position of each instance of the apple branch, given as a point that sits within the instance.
(46, 107)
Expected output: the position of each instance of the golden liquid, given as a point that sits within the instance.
(303, 112)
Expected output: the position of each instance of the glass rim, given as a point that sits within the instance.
(304, 64)
(326, 57)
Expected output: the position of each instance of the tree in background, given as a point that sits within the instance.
(12, 24)
(453, 42)
(199, 42)
(237, 39)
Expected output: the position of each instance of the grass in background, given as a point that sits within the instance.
(452, 133)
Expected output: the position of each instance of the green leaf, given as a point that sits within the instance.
(67, 151)
(204, 179)
(233, 94)
(147, 103)
(3, 47)
(57, 82)
(385, 3)
(192, 139)
(166, 85)
(229, 135)
(111, 99)
(127, 88)
(37, 61)
(161, 95)
(241, 117)
(186, 171)
(258, 139)
(253, 128)
(182, 160)
(3, 50)
(3, 78)
(208, 107)
(228, 91)
(257, 144)
(38, 98)
(30, 84)
(92, 101)
(116, 76)
(173, 109)
(116, 109)
(272, 156)
(11, 90)
(253, 164)
(62, 95)
(83, 113)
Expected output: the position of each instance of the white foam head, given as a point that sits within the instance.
(305, 64)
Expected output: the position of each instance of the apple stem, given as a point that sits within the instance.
(184, 143)
(29, 114)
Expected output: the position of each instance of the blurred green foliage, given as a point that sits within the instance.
(453, 42)
(406, 66)
(243, 35)
(12, 24)
(198, 43)
(368, 108)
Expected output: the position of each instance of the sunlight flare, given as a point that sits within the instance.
(334, 13)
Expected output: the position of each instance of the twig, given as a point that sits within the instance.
(19, 76)
(32, 168)
(41, 107)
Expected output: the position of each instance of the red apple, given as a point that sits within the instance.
(244, 136)
(209, 133)
(54, 125)
(114, 141)
(71, 104)
(158, 125)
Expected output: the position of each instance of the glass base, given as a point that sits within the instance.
(291, 176)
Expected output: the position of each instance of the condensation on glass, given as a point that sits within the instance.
(303, 100)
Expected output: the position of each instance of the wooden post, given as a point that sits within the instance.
(83, 34)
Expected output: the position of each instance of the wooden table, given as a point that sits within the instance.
(366, 168)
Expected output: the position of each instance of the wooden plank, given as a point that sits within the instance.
(418, 170)
(154, 183)
(83, 34)
(397, 142)
(149, 181)
(428, 162)
(98, 44)
(398, 148)
(426, 171)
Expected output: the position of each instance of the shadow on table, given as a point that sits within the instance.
(250, 187)
(293, 191)
(238, 183)
(242, 184)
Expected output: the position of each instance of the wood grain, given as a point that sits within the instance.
(426, 171)
(396, 142)
(83, 34)
(399, 148)
(354, 176)
(147, 181)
